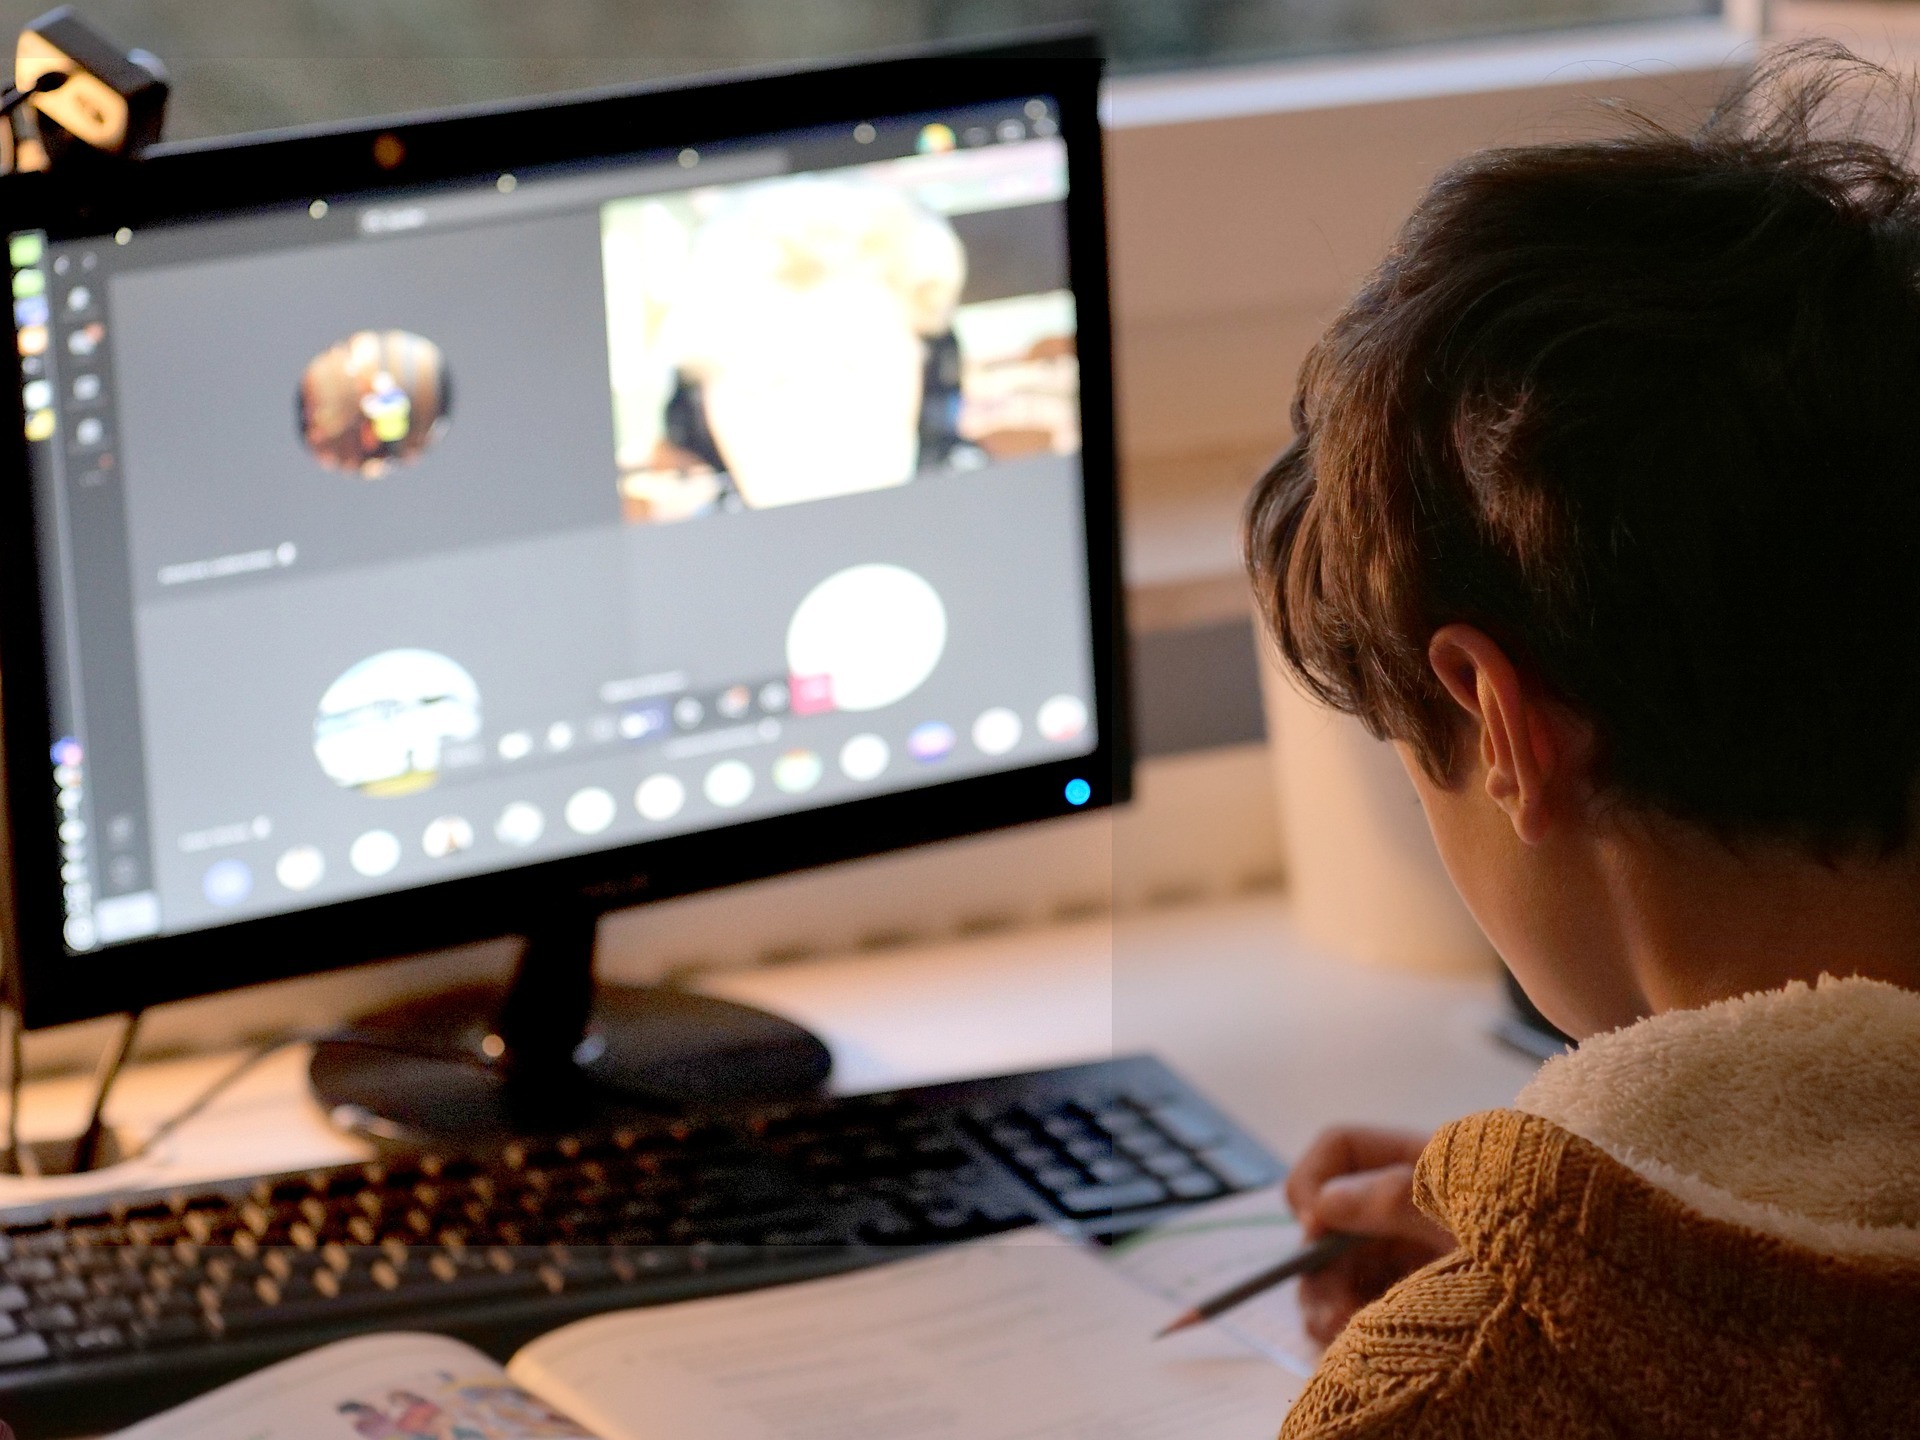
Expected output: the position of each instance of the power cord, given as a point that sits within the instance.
(248, 1063)
(15, 1070)
(86, 1149)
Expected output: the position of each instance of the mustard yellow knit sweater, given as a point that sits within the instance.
(1729, 1246)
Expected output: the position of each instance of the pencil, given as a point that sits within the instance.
(1304, 1261)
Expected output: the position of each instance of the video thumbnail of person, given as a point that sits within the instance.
(373, 400)
(381, 726)
(780, 341)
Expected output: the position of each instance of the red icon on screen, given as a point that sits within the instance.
(811, 694)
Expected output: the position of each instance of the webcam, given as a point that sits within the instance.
(86, 93)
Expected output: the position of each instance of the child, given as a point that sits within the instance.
(1604, 507)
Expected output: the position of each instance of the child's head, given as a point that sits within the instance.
(1645, 414)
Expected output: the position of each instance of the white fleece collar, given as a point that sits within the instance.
(1794, 1112)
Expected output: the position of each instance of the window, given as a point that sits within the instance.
(253, 64)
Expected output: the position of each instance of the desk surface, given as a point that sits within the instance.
(1288, 1039)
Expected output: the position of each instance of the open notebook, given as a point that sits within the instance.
(1025, 1337)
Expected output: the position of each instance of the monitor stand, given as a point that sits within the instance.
(551, 1051)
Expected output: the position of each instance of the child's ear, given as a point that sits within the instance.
(1529, 753)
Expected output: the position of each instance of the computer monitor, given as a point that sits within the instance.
(459, 527)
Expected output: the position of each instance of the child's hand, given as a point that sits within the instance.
(1360, 1181)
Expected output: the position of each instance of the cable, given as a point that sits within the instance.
(86, 1148)
(248, 1063)
(13, 97)
(15, 1066)
(218, 1088)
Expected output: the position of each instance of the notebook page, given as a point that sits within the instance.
(373, 1387)
(1211, 1248)
(1024, 1337)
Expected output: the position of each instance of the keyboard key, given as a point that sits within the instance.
(1097, 1199)
(98, 1340)
(1194, 1185)
(1241, 1164)
(1191, 1127)
(23, 1349)
(1145, 1144)
(180, 1328)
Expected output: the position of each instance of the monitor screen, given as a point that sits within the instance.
(393, 537)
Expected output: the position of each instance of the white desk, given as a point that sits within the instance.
(1287, 1039)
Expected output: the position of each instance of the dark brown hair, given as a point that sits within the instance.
(1647, 411)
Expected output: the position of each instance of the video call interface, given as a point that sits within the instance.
(396, 538)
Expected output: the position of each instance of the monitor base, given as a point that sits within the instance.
(431, 1070)
(551, 1051)
(38, 1158)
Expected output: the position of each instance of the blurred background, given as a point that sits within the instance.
(257, 64)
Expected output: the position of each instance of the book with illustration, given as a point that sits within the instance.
(1028, 1336)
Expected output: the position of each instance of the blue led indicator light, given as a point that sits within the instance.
(1078, 792)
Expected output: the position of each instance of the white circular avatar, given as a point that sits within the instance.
(446, 836)
(590, 811)
(1064, 717)
(873, 632)
(729, 783)
(659, 797)
(798, 771)
(227, 882)
(996, 731)
(520, 824)
(381, 725)
(375, 853)
(301, 868)
(864, 757)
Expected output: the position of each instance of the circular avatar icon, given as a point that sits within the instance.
(382, 724)
(227, 882)
(729, 783)
(798, 771)
(375, 853)
(301, 868)
(864, 757)
(520, 824)
(865, 638)
(996, 731)
(1063, 717)
(590, 811)
(931, 741)
(375, 398)
(446, 836)
(659, 797)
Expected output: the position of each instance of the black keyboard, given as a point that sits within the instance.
(127, 1304)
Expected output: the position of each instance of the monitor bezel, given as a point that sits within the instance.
(47, 985)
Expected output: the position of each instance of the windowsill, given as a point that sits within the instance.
(1509, 63)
